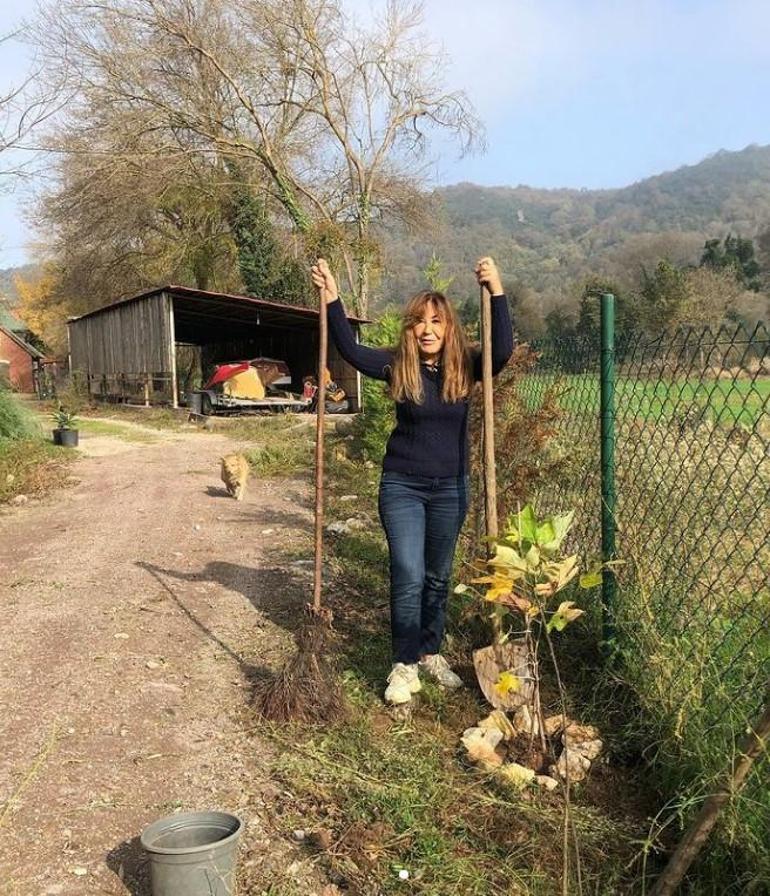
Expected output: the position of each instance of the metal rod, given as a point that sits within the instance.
(607, 413)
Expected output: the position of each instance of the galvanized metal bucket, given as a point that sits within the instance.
(193, 854)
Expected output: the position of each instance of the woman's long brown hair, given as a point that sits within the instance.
(405, 380)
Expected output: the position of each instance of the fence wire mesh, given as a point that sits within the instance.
(692, 473)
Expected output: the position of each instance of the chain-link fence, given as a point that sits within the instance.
(692, 517)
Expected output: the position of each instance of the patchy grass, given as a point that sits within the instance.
(31, 467)
(118, 430)
(152, 417)
(16, 420)
(395, 795)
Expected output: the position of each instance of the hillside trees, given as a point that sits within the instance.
(734, 252)
(331, 120)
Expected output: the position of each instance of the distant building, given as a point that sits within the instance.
(21, 364)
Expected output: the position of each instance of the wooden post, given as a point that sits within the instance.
(694, 839)
(172, 351)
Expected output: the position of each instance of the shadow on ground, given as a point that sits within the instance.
(129, 862)
(274, 592)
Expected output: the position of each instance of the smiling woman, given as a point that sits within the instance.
(424, 486)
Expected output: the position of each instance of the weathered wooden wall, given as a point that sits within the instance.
(127, 348)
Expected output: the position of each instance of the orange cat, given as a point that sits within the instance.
(235, 473)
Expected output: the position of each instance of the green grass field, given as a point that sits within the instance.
(726, 401)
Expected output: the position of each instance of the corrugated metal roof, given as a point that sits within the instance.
(202, 294)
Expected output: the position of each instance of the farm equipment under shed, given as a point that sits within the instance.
(260, 384)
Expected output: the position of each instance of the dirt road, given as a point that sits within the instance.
(136, 607)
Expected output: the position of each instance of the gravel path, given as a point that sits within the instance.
(137, 606)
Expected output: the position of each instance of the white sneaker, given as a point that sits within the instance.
(438, 668)
(403, 681)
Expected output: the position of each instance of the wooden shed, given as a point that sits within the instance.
(156, 346)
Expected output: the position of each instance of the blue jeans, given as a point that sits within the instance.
(422, 518)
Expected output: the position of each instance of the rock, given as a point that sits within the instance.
(19, 500)
(524, 722)
(546, 782)
(10, 479)
(519, 776)
(576, 734)
(267, 531)
(497, 720)
(583, 739)
(152, 664)
(577, 764)
(481, 746)
(298, 835)
(345, 527)
(554, 724)
(591, 749)
(322, 838)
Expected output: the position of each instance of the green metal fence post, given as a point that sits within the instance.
(607, 411)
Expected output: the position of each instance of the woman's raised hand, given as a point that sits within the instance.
(323, 279)
(487, 275)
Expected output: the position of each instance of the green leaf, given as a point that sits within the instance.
(526, 524)
(561, 524)
(533, 558)
(567, 612)
(507, 557)
(591, 579)
(545, 533)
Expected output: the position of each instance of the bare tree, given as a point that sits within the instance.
(335, 117)
(24, 107)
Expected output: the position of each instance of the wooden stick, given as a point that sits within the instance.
(694, 839)
(319, 453)
(490, 472)
(490, 478)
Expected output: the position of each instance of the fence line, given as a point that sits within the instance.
(692, 517)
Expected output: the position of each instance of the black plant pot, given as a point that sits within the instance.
(68, 438)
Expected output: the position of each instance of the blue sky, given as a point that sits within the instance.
(577, 93)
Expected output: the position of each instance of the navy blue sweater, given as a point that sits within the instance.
(430, 439)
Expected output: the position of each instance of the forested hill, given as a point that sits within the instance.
(549, 239)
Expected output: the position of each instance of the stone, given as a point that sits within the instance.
(19, 500)
(481, 746)
(345, 527)
(322, 838)
(497, 720)
(524, 722)
(519, 776)
(298, 835)
(575, 734)
(575, 762)
(546, 782)
(591, 749)
(554, 724)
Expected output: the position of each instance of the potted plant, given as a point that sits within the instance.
(66, 432)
